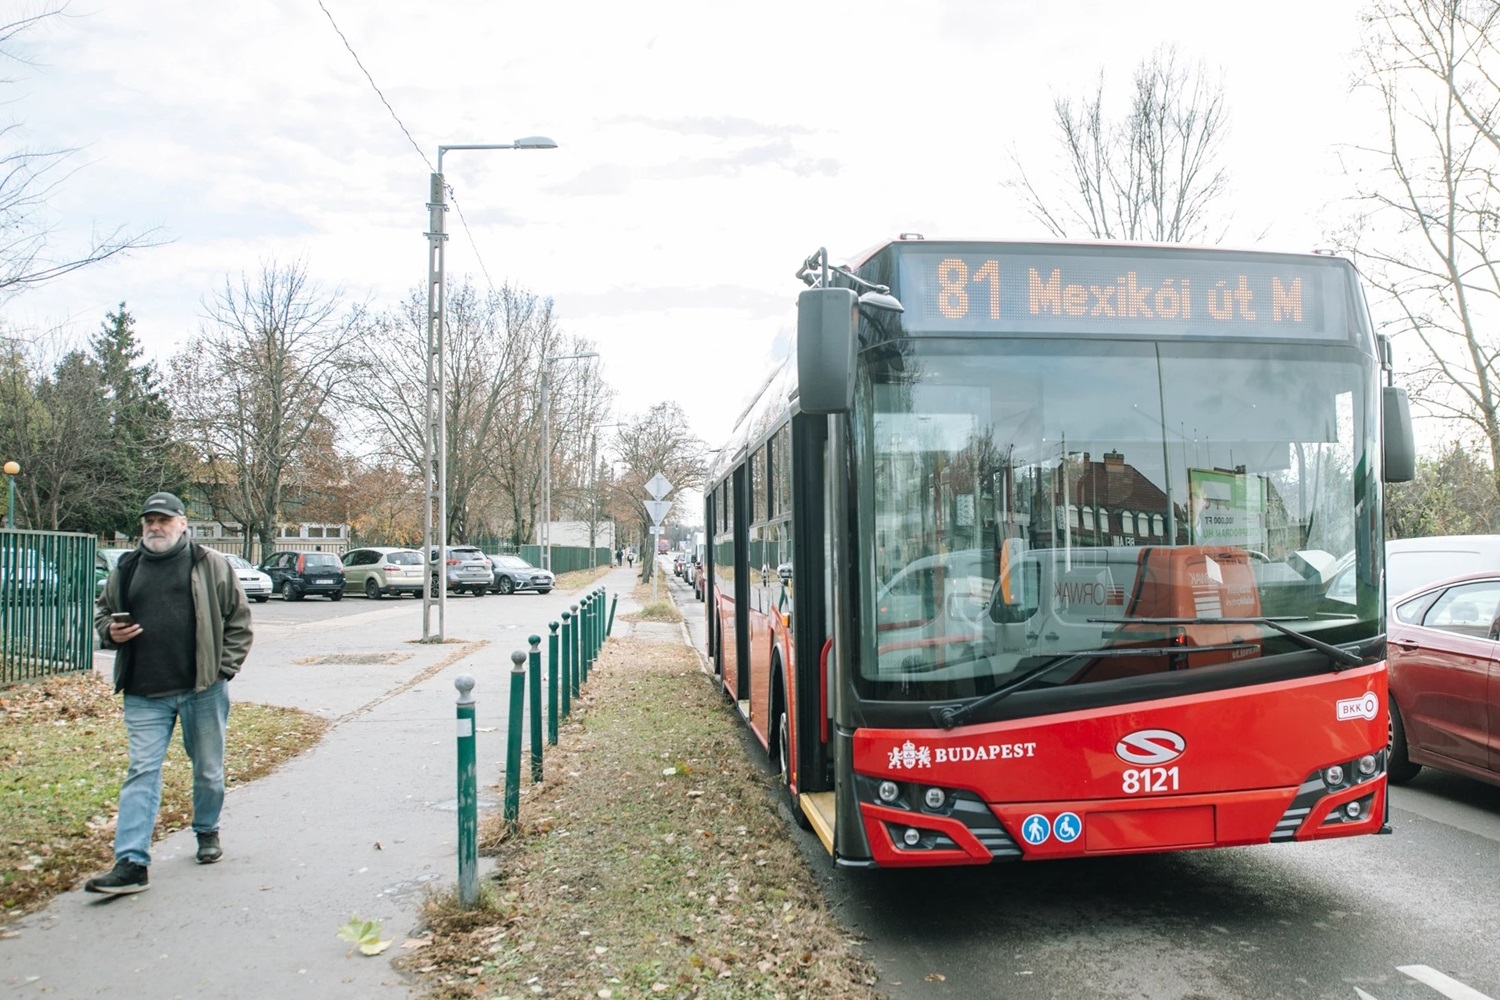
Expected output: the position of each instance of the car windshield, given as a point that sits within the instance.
(321, 561)
(467, 555)
(1029, 499)
(236, 561)
(512, 562)
(404, 558)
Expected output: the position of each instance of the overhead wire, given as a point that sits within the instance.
(404, 131)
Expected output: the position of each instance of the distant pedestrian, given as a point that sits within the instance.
(179, 623)
(619, 557)
(631, 557)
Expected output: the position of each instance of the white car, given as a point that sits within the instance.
(255, 584)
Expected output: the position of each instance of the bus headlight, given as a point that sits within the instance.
(1367, 765)
(888, 791)
(1353, 810)
(1333, 776)
(935, 798)
(913, 836)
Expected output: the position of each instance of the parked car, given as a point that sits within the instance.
(1415, 562)
(512, 573)
(294, 575)
(467, 569)
(678, 562)
(1445, 679)
(105, 560)
(376, 572)
(255, 584)
(27, 576)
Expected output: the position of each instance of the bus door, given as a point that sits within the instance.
(811, 612)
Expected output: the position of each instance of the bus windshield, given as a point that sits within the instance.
(1030, 499)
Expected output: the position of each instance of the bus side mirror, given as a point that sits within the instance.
(1400, 443)
(827, 321)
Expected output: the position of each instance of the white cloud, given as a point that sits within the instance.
(704, 150)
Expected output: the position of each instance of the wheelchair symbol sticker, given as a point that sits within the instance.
(1036, 828)
(1067, 827)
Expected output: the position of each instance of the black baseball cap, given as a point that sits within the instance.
(162, 503)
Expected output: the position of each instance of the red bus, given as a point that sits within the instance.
(1024, 552)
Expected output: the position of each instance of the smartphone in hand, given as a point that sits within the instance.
(121, 617)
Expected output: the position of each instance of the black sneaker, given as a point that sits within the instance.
(209, 850)
(126, 877)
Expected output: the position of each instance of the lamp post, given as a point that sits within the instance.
(435, 416)
(12, 469)
(546, 538)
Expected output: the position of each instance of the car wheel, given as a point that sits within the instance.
(1399, 767)
(372, 590)
(289, 592)
(505, 585)
(544, 590)
(478, 591)
(337, 595)
(263, 598)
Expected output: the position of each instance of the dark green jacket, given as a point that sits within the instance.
(219, 608)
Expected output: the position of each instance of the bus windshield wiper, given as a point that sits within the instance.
(949, 716)
(1338, 654)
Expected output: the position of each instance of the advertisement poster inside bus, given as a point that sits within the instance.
(1229, 508)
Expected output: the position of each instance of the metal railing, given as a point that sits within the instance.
(47, 590)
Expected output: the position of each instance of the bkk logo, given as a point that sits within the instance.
(1150, 747)
(1358, 708)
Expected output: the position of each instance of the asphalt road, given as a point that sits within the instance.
(1410, 916)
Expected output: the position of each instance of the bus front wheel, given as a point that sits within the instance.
(784, 755)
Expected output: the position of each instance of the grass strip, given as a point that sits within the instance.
(62, 757)
(651, 862)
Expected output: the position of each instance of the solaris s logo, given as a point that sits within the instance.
(1147, 747)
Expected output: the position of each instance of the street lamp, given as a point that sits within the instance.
(546, 538)
(12, 469)
(435, 427)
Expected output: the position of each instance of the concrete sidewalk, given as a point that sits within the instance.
(362, 824)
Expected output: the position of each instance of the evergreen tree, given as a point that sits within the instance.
(141, 458)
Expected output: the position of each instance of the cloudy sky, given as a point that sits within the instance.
(704, 149)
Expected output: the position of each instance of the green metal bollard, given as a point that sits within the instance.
(535, 671)
(468, 797)
(552, 683)
(612, 602)
(513, 741)
(573, 665)
(586, 658)
(569, 688)
(598, 622)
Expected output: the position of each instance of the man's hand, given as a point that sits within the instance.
(120, 633)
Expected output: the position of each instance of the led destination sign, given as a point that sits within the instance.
(1171, 294)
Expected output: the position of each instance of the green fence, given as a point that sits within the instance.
(47, 588)
(567, 558)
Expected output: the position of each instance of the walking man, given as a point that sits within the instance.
(180, 627)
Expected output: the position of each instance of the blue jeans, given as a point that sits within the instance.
(148, 725)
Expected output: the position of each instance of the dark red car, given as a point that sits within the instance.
(1444, 658)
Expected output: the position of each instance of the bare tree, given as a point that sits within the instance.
(495, 345)
(659, 441)
(251, 390)
(28, 179)
(1435, 267)
(1154, 174)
